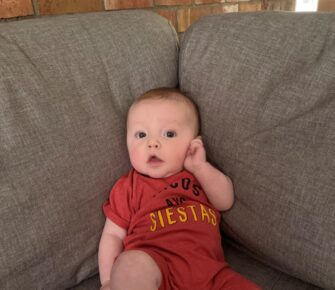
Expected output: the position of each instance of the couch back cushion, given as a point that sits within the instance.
(265, 84)
(65, 85)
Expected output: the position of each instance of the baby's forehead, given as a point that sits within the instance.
(151, 104)
(155, 110)
(159, 110)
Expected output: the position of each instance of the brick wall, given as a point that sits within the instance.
(182, 13)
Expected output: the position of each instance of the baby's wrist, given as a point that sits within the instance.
(200, 168)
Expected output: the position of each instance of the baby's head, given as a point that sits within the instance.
(160, 127)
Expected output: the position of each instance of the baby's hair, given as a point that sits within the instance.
(172, 94)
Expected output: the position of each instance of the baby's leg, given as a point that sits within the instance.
(135, 270)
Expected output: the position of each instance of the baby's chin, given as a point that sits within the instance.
(157, 174)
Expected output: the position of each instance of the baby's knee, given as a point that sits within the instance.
(135, 265)
(132, 259)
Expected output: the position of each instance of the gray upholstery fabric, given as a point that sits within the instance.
(265, 84)
(92, 283)
(266, 277)
(65, 85)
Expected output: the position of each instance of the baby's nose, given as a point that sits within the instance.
(154, 143)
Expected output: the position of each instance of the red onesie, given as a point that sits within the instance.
(172, 220)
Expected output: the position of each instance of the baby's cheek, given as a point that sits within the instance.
(180, 157)
(135, 157)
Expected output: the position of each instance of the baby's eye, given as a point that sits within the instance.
(140, 135)
(170, 134)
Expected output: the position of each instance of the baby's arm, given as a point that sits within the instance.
(218, 186)
(111, 245)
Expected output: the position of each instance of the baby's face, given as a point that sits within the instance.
(159, 133)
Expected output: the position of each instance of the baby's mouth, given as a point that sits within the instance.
(154, 159)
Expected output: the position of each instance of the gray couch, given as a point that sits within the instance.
(265, 83)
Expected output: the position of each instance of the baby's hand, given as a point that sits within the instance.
(105, 286)
(196, 155)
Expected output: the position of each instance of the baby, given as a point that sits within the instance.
(162, 227)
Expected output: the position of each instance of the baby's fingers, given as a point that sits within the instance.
(194, 146)
(197, 148)
(197, 142)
